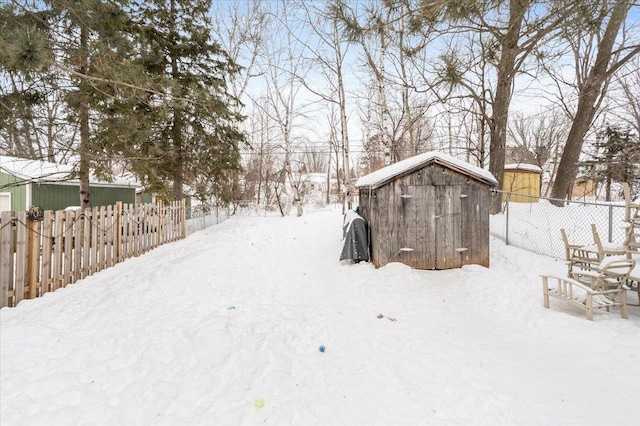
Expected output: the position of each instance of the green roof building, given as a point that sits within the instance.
(25, 183)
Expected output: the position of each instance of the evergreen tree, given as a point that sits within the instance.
(93, 36)
(86, 41)
(188, 127)
(23, 54)
(616, 157)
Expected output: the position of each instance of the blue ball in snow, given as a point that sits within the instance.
(321, 348)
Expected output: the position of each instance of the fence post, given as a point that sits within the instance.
(6, 256)
(119, 231)
(33, 256)
(183, 218)
(21, 262)
(506, 208)
(161, 220)
(610, 223)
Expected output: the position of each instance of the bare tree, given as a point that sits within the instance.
(535, 139)
(326, 52)
(592, 78)
(538, 140)
(261, 165)
(625, 100)
(242, 27)
(314, 158)
(513, 30)
(283, 70)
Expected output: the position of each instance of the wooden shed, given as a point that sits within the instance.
(524, 180)
(24, 183)
(430, 211)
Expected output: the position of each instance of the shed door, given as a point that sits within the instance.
(448, 227)
(433, 224)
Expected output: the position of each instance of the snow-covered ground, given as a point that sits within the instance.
(225, 328)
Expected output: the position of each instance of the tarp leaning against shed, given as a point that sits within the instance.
(356, 242)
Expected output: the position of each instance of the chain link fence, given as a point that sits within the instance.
(205, 215)
(535, 225)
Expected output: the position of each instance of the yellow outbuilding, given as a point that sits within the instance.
(524, 181)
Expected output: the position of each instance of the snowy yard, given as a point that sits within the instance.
(203, 330)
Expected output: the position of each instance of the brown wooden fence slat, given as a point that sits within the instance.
(46, 276)
(132, 230)
(135, 229)
(102, 238)
(58, 240)
(34, 258)
(113, 238)
(118, 234)
(86, 244)
(77, 244)
(94, 241)
(21, 258)
(108, 236)
(6, 257)
(142, 217)
(125, 231)
(142, 229)
(68, 248)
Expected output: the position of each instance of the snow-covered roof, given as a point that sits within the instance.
(386, 174)
(523, 167)
(44, 171)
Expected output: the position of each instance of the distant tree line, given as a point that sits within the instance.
(159, 88)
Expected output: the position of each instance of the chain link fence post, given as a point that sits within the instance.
(610, 223)
(506, 211)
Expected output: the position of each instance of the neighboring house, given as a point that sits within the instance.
(24, 183)
(315, 184)
(524, 180)
(430, 211)
(584, 188)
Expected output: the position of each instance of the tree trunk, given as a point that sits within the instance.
(297, 200)
(176, 130)
(502, 100)
(568, 168)
(84, 149)
(343, 116)
(328, 193)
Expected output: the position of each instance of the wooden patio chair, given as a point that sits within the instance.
(632, 238)
(632, 217)
(608, 290)
(580, 259)
(605, 250)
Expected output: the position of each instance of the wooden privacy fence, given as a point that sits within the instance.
(38, 256)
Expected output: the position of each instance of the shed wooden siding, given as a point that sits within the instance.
(523, 182)
(445, 211)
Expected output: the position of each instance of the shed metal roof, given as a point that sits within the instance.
(383, 176)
